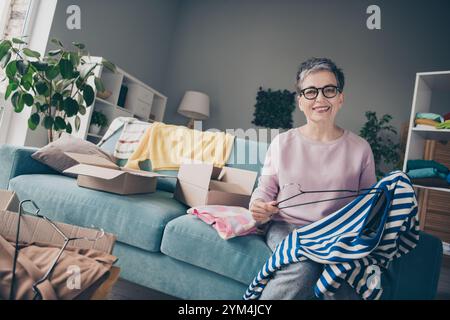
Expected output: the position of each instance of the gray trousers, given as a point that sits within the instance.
(296, 281)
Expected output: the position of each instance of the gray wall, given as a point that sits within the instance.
(133, 34)
(228, 48)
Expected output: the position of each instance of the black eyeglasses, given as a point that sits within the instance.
(312, 92)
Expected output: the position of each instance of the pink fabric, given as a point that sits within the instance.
(228, 221)
(292, 158)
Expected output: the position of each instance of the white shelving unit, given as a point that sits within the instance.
(434, 206)
(426, 84)
(141, 101)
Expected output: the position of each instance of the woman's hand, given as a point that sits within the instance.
(262, 211)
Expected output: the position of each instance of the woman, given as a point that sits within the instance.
(316, 156)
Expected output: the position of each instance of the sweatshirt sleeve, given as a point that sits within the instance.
(268, 186)
(368, 177)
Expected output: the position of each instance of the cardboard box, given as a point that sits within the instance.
(204, 184)
(101, 174)
(9, 201)
(35, 229)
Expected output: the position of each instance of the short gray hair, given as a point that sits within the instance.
(318, 64)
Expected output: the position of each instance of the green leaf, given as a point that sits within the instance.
(20, 104)
(18, 41)
(33, 121)
(57, 99)
(70, 107)
(4, 49)
(11, 69)
(11, 87)
(68, 128)
(99, 84)
(5, 59)
(109, 65)
(30, 53)
(28, 99)
(43, 107)
(40, 66)
(41, 87)
(15, 99)
(66, 68)
(59, 123)
(57, 42)
(74, 58)
(77, 123)
(88, 95)
(80, 46)
(22, 66)
(48, 122)
(54, 52)
(82, 109)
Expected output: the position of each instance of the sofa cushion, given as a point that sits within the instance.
(189, 239)
(137, 220)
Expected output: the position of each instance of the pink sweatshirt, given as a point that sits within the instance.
(292, 158)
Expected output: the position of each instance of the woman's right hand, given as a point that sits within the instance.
(262, 212)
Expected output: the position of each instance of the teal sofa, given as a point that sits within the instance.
(161, 247)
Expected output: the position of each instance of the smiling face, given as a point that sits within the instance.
(320, 109)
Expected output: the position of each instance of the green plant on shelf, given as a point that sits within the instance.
(99, 119)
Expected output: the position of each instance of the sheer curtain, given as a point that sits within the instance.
(13, 19)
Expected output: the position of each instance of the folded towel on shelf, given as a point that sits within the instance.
(426, 173)
(444, 125)
(432, 182)
(429, 115)
(427, 122)
(421, 164)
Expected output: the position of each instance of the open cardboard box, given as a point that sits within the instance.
(204, 184)
(34, 229)
(100, 174)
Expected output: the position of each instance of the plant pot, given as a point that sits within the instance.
(94, 129)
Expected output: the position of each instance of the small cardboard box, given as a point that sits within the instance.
(204, 184)
(101, 174)
(34, 229)
(9, 201)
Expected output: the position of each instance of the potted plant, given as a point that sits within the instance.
(378, 133)
(55, 86)
(98, 121)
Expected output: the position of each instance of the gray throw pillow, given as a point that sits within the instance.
(53, 154)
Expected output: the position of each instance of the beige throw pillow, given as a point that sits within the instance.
(53, 154)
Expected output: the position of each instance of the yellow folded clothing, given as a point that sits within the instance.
(167, 146)
(428, 122)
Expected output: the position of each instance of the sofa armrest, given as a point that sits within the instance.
(16, 161)
(416, 274)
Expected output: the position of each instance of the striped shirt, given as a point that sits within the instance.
(353, 242)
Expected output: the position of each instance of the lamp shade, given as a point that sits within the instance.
(194, 105)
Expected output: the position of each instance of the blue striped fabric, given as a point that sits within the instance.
(353, 242)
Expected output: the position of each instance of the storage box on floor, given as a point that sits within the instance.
(34, 229)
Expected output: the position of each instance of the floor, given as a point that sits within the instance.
(125, 290)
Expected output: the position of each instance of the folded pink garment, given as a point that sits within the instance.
(228, 221)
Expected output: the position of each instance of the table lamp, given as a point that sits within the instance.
(194, 105)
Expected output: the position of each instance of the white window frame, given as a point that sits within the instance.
(7, 114)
